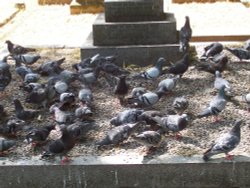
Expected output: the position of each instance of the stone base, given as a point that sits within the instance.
(81, 9)
(142, 55)
(135, 33)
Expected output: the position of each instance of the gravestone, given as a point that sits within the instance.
(137, 31)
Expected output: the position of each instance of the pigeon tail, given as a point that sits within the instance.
(105, 141)
(205, 113)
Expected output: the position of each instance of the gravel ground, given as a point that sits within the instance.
(196, 86)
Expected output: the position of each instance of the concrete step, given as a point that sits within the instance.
(132, 11)
(134, 33)
(141, 55)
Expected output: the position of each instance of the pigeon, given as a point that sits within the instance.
(121, 89)
(6, 145)
(61, 117)
(83, 112)
(180, 67)
(61, 87)
(180, 104)
(27, 59)
(126, 116)
(247, 45)
(89, 78)
(148, 115)
(167, 85)
(246, 99)
(68, 76)
(11, 127)
(22, 70)
(2, 112)
(67, 99)
(219, 82)
(225, 143)
(185, 35)
(24, 114)
(32, 87)
(137, 91)
(145, 100)
(212, 67)
(38, 96)
(38, 136)
(154, 71)
(217, 104)
(212, 50)
(173, 123)
(61, 146)
(51, 68)
(241, 53)
(151, 139)
(16, 49)
(31, 78)
(85, 63)
(112, 69)
(118, 134)
(79, 129)
(5, 75)
(85, 96)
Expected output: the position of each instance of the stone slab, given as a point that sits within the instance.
(142, 55)
(134, 33)
(133, 10)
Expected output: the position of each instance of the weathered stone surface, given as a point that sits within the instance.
(142, 55)
(134, 33)
(133, 10)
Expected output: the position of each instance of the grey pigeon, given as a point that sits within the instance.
(212, 67)
(5, 75)
(247, 44)
(173, 123)
(60, 116)
(38, 136)
(24, 114)
(137, 91)
(89, 78)
(6, 145)
(27, 59)
(181, 66)
(112, 69)
(79, 129)
(185, 35)
(83, 112)
(246, 99)
(85, 95)
(11, 127)
(180, 104)
(118, 134)
(31, 78)
(219, 82)
(126, 116)
(51, 68)
(121, 89)
(22, 70)
(60, 146)
(167, 85)
(150, 139)
(61, 87)
(68, 76)
(225, 143)
(217, 104)
(145, 100)
(212, 50)
(154, 71)
(16, 49)
(241, 53)
(38, 96)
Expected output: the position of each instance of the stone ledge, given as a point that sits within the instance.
(111, 172)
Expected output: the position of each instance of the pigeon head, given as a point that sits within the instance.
(160, 62)
(187, 21)
(8, 42)
(217, 74)
(236, 128)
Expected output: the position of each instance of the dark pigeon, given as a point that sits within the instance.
(5, 75)
(212, 67)
(61, 146)
(126, 116)
(38, 96)
(180, 104)
(241, 53)
(38, 136)
(6, 145)
(24, 114)
(148, 115)
(68, 76)
(51, 68)
(217, 105)
(181, 66)
(225, 143)
(11, 127)
(89, 77)
(121, 89)
(16, 49)
(118, 134)
(185, 35)
(212, 50)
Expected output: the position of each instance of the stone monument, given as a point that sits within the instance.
(137, 31)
